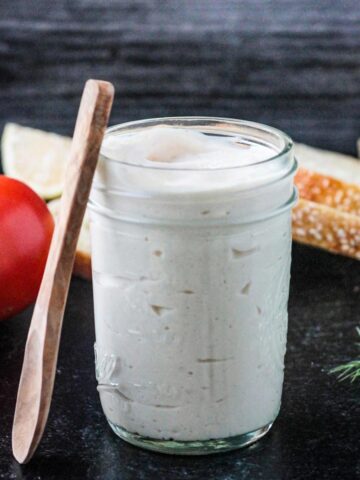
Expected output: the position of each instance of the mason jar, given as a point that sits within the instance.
(191, 270)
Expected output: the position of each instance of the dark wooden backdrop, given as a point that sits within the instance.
(292, 64)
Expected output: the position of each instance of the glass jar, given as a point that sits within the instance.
(191, 290)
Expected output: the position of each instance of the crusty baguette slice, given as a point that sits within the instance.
(328, 191)
(332, 164)
(328, 213)
(326, 227)
(82, 264)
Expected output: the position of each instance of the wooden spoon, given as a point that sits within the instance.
(41, 351)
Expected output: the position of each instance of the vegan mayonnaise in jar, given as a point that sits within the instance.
(191, 251)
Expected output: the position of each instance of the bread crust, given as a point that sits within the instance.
(82, 265)
(327, 228)
(328, 191)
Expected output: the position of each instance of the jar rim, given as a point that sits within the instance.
(192, 122)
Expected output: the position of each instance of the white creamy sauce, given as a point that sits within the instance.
(183, 148)
(191, 316)
(179, 160)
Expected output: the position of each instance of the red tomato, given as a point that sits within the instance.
(26, 228)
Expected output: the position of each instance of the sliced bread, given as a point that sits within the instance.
(327, 228)
(328, 212)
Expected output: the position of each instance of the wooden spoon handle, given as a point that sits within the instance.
(41, 351)
(90, 126)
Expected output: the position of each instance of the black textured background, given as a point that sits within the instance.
(292, 64)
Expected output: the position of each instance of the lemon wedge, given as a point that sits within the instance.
(35, 157)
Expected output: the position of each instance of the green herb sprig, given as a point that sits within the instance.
(350, 370)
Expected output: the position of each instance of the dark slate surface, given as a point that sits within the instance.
(295, 65)
(316, 436)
